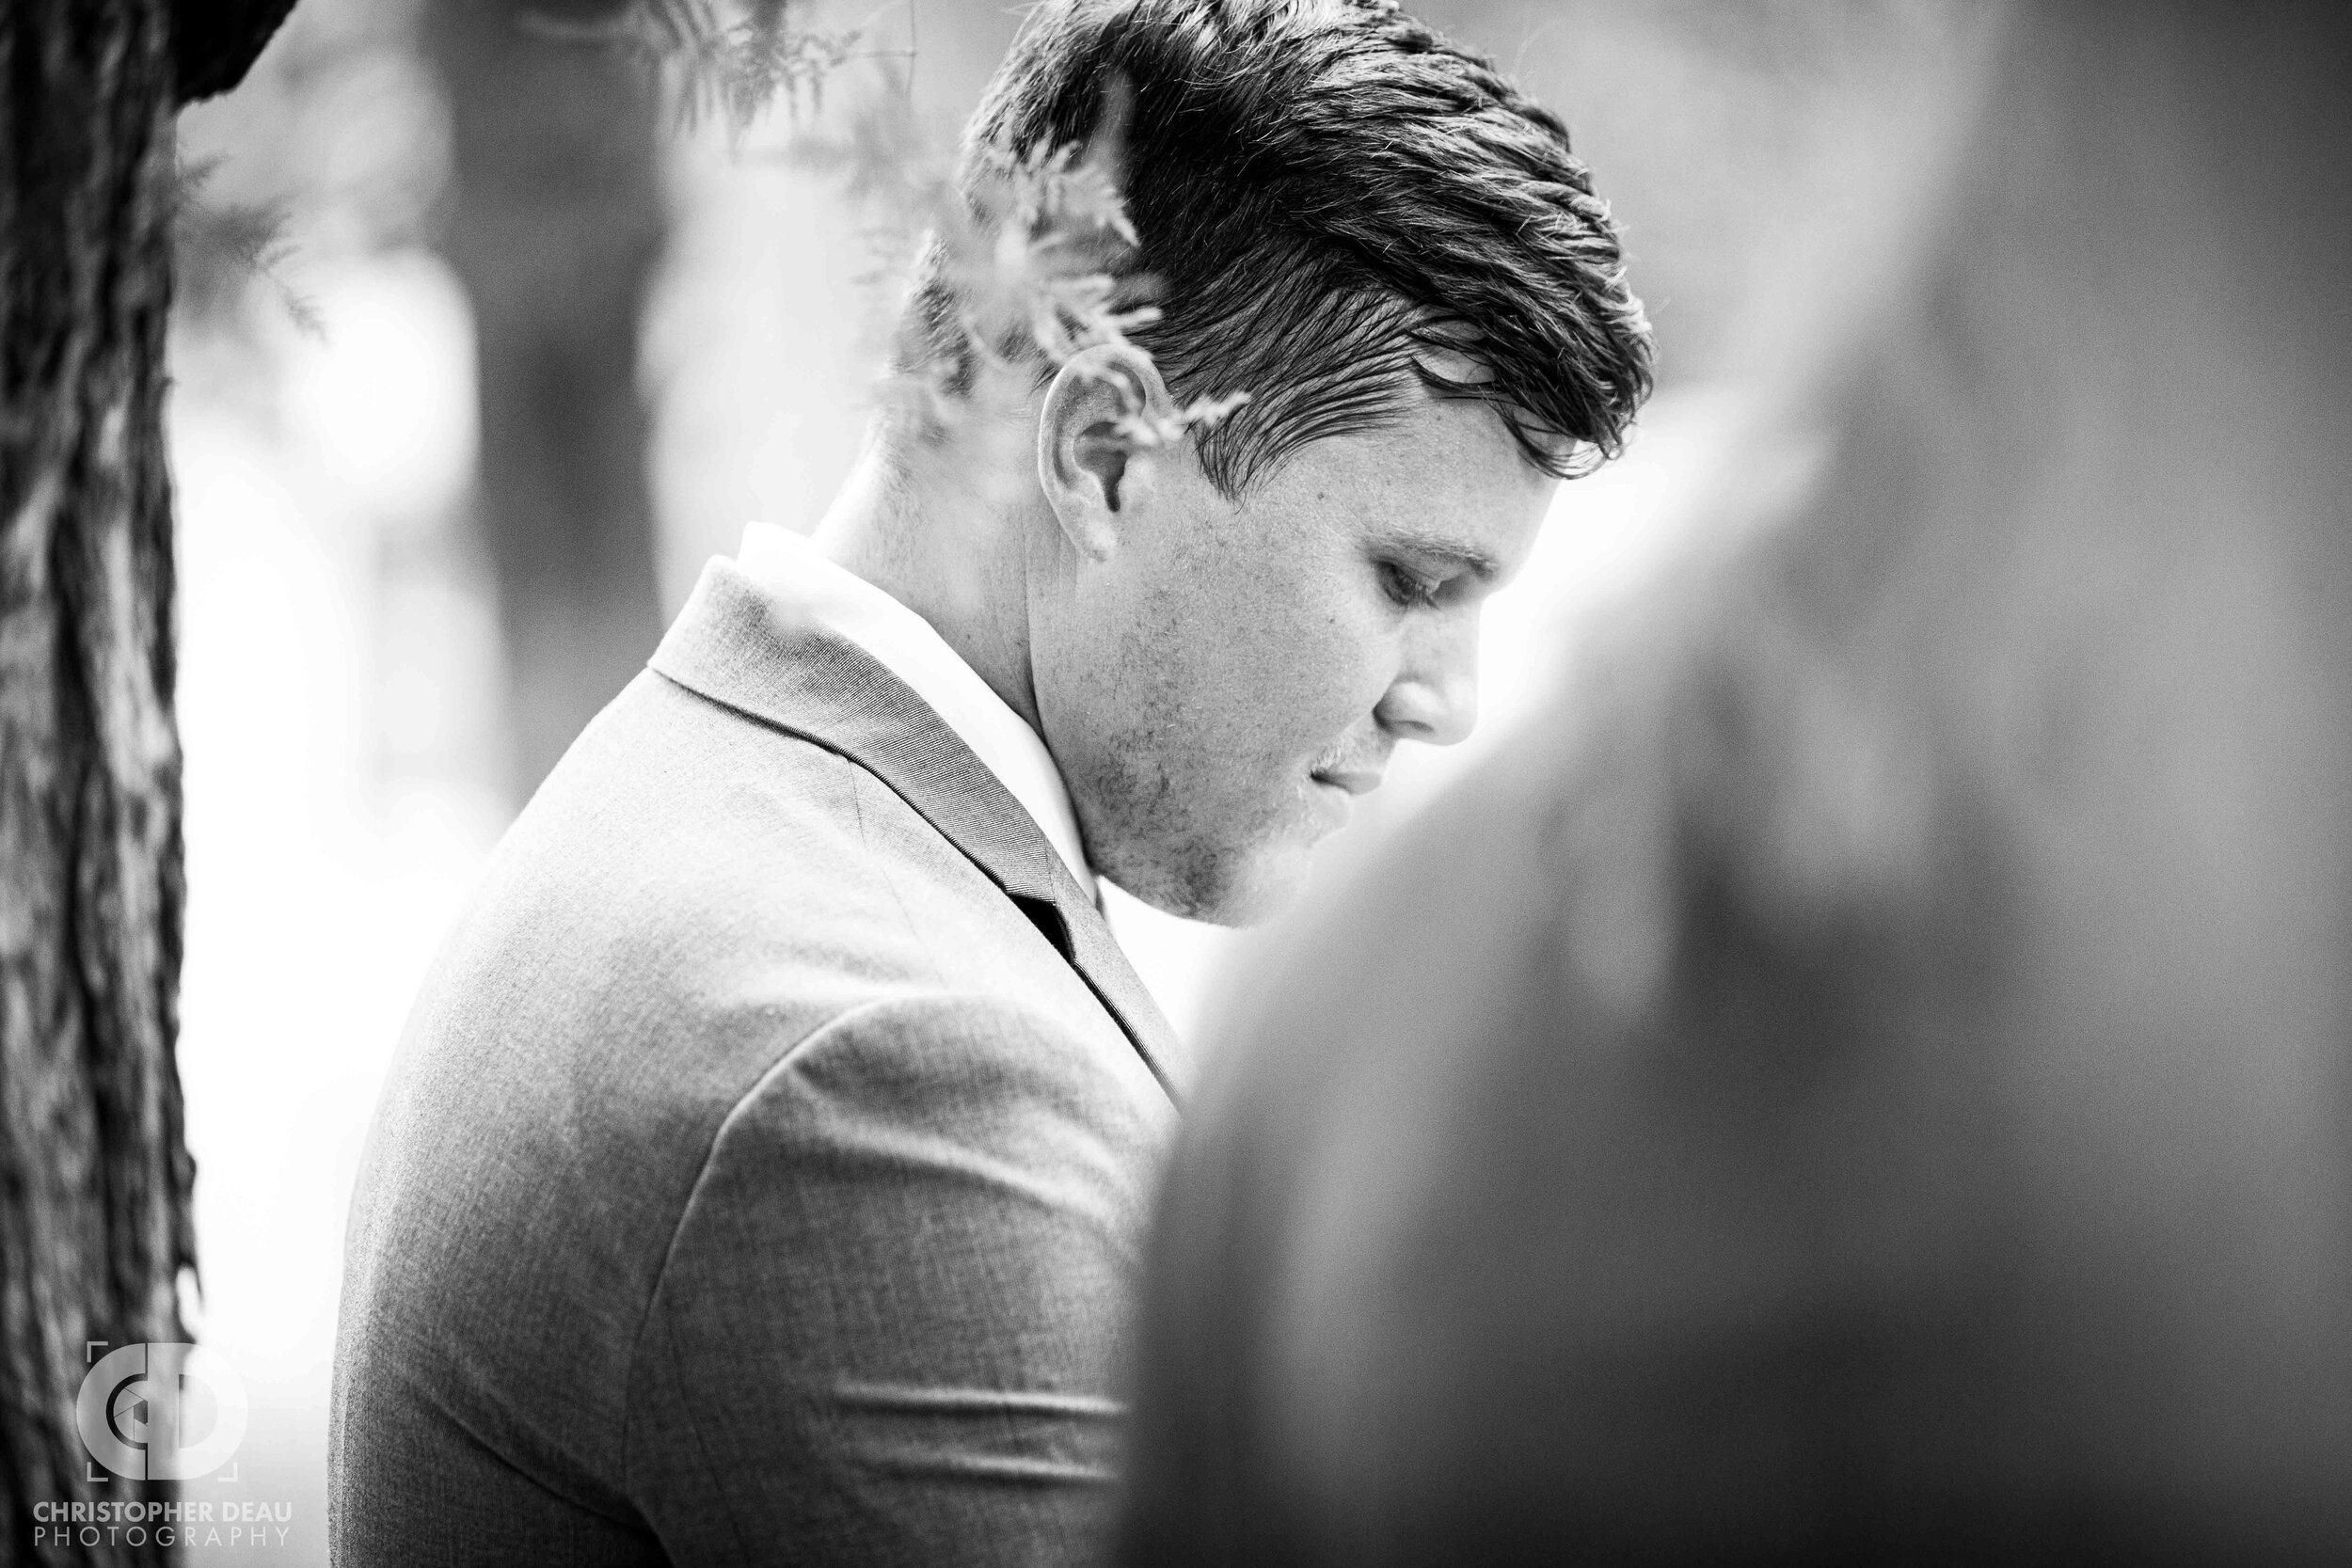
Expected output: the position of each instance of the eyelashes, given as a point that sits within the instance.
(1409, 588)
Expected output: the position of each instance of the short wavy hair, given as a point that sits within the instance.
(1323, 192)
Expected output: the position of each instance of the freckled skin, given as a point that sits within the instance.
(1191, 684)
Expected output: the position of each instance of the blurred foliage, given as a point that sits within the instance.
(224, 254)
(715, 63)
(1723, 136)
(1028, 245)
(335, 145)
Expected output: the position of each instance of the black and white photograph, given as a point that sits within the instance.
(1175, 783)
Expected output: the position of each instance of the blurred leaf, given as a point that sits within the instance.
(714, 64)
(1030, 245)
(221, 253)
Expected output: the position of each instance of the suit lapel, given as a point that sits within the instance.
(1096, 953)
(735, 645)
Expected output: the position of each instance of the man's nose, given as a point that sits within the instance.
(1435, 697)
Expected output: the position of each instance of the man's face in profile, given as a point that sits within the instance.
(1242, 668)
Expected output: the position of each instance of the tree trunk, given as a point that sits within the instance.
(94, 1174)
(556, 225)
(94, 1179)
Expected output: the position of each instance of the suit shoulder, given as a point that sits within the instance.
(963, 1061)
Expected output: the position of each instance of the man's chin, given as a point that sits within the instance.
(1234, 887)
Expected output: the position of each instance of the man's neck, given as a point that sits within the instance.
(950, 559)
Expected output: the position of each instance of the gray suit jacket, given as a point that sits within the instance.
(764, 1167)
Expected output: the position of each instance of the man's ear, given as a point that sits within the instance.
(1093, 473)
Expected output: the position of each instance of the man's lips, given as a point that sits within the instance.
(1355, 781)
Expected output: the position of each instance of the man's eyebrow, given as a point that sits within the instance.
(1431, 547)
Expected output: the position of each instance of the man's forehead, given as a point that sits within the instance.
(1442, 478)
(1437, 449)
(1450, 503)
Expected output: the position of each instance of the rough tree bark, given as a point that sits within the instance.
(555, 226)
(94, 1174)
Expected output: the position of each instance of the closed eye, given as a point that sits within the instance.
(1408, 587)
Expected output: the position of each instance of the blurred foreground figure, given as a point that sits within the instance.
(1871, 1078)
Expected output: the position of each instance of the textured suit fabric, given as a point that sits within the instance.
(763, 1169)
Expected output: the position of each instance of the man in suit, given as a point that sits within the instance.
(764, 1169)
(1866, 1078)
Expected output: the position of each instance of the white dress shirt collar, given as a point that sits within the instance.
(788, 567)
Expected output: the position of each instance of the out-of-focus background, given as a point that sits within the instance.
(481, 354)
